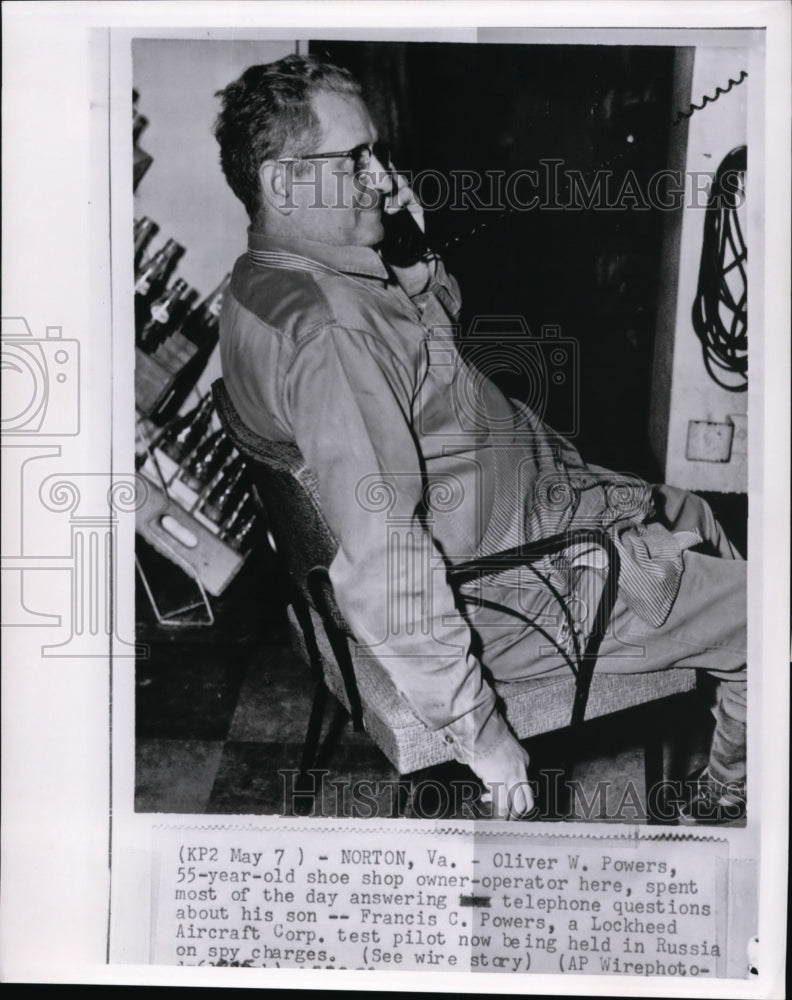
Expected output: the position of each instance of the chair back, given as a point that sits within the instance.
(288, 492)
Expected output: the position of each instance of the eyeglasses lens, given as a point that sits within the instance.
(381, 151)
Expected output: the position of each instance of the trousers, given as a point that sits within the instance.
(706, 630)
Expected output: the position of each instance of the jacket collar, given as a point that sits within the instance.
(306, 255)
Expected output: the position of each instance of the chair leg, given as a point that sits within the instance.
(305, 782)
(653, 770)
(402, 803)
(303, 617)
(568, 760)
(337, 724)
(340, 646)
(554, 790)
(690, 716)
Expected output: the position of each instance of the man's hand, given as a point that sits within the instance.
(402, 197)
(504, 773)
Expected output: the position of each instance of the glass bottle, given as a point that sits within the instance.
(193, 342)
(226, 491)
(239, 517)
(139, 123)
(181, 437)
(180, 309)
(163, 317)
(141, 160)
(240, 535)
(145, 230)
(153, 279)
(206, 461)
(201, 326)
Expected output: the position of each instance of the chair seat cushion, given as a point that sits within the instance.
(533, 706)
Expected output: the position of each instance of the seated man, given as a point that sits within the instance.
(422, 462)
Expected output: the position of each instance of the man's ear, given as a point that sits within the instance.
(276, 187)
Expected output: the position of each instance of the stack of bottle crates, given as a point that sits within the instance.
(200, 507)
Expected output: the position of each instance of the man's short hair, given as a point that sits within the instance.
(267, 114)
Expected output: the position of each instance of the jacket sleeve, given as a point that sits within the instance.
(348, 400)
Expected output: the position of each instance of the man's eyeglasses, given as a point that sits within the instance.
(359, 155)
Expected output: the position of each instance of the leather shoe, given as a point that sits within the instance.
(707, 802)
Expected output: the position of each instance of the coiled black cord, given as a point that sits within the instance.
(707, 99)
(720, 309)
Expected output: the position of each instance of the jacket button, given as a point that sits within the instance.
(448, 738)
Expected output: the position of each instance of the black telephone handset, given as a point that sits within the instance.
(404, 243)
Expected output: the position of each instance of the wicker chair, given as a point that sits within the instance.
(305, 546)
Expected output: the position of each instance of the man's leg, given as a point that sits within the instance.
(706, 630)
(681, 510)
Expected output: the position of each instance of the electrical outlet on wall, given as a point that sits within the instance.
(708, 441)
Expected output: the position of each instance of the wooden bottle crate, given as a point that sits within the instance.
(171, 524)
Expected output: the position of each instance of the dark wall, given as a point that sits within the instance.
(591, 272)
